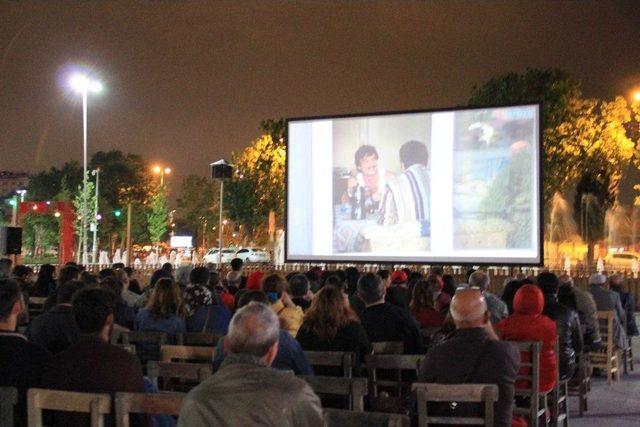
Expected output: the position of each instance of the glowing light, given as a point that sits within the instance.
(117, 213)
(48, 202)
(157, 169)
(224, 222)
(57, 214)
(636, 96)
(35, 207)
(99, 217)
(81, 84)
(167, 170)
(13, 202)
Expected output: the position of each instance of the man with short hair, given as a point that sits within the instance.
(616, 284)
(299, 286)
(386, 322)
(585, 305)
(21, 362)
(495, 305)
(69, 272)
(246, 390)
(567, 325)
(473, 354)
(56, 330)
(608, 300)
(93, 365)
(234, 277)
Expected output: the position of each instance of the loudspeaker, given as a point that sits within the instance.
(10, 240)
(221, 170)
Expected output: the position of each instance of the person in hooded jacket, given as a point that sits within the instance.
(567, 324)
(527, 324)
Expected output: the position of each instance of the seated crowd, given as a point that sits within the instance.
(266, 322)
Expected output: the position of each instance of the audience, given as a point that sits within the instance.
(496, 306)
(608, 300)
(331, 325)
(290, 315)
(509, 292)
(527, 323)
(205, 312)
(422, 306)
(567, 325)
(66, 273)
(123, 314)
(130, 298)
(56, 329)
(45, 282)
(386, 322)
(21, 362)
(197, 292)
(473, 354)
(290, 356)
(397, 293)
(164, 311)
(245, 391)
(299, 286)
(234, 277)
(93, 365)
(616, 284)
(585, 305)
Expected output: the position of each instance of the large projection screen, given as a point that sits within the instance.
(459, 186)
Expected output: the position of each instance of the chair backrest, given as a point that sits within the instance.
(486, 394)
(354, 388)
(529, 373)
(198, 339)
(193, 373)
(606, 323)
(343, 418)
(138, 337)
(388, 347)
(95, 404)
(391, 362)
(8, 399)
(344, 360)
(146, 403)
(36, 305)
(186, 353)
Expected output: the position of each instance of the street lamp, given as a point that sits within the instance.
(21, 193)
(636, 96)
(159, 170)
(83, 85)
(96, 217)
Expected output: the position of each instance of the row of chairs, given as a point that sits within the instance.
(97, 405)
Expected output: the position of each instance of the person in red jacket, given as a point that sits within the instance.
(527, 323)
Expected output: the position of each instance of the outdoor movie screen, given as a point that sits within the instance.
(446, 186)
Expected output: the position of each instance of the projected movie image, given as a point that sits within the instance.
(443, 186)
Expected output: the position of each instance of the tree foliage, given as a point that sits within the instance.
(198, 202)
(257, 186)
(158, 215)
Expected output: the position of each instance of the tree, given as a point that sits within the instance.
(47, 185)
(158, 215)
(78, 200)
(198, 202)
(257, 187)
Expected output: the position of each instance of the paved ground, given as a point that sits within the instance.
(617, 405)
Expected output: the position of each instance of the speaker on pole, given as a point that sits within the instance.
(10, 240)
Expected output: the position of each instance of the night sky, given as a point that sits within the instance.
(187, 82)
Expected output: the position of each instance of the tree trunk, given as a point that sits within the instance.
(590, 250)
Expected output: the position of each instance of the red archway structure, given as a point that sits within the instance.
(66, 246)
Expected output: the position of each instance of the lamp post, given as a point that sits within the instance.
(221, 170)
(159, 170)
(83, 85)
(96, 173)
(21, 193)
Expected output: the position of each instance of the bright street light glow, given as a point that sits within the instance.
(156, 169)
(57, 214)
(81, 84)
(167, 170)
(636, 96)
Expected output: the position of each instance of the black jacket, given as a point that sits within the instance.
(386, 322)
(569, 333)
(56, 330)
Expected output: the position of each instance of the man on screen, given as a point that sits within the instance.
(406, 199)
(366, 188)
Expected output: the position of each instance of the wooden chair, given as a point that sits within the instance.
(396, 365)
(608, 358)
(186, 353)
(355, 389)
(147, 343)
(338, 359)
(560, 397)
(343, 418)
(388, 347)
(627, 356)
(36, 305)
(8, 399)
(486, 394)
(146, 403)
(532, 396)
(177, 376)
(95, 404)
(579, 385)
(198, 339)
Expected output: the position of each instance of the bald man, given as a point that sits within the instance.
(473, 354)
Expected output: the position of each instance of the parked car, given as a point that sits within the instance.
(253, 255)
(212, 255)
(622, 260)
